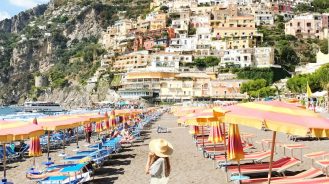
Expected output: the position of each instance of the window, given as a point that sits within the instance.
(298, 24)
(308, 24)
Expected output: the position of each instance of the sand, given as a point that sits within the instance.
(188, 164)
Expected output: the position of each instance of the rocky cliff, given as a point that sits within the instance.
(43, 41)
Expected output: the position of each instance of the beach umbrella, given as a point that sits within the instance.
(278, 117)
(234, 147)
(107, 122)
(99, 127)
(113, 119)
(216, 134)
(61, 122)
(16, 131)
(35, 146)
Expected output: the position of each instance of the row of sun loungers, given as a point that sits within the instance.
(72, 171)
(253, 163)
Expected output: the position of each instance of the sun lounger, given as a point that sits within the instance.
(254, 157)
(320, 180)
(219, 150)
(311, 173)
(279, 166)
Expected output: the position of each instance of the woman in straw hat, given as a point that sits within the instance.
(158, 165)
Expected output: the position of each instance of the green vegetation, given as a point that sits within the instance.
(317, 81)
(270, 75)
(321, 6)
(209, 61)
(257, 88)
(83, 67)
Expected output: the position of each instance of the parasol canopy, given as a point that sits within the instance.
(279, 116)
(234, 147)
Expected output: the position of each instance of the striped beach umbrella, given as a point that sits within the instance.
(107, 122)
(113, 119)
(216, 134)
(35, 146)
(99, 127)
(234, 147)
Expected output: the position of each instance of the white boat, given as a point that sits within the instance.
(42, 107)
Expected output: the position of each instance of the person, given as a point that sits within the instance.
(88, 130)
(158, 165)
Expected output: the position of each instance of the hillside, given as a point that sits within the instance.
(58, 41)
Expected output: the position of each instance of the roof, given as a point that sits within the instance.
(192, 75)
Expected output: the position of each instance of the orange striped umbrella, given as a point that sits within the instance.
(35, 147)
(113, 120)
(234, 147)
(107, 122)
(99, 127)
(216, 134)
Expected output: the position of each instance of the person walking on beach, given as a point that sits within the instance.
(88, 130)
(158, 165)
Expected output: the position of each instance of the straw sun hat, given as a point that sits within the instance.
(161, 147)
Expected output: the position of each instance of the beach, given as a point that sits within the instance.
(188, 164)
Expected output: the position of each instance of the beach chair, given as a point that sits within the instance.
(308, 174)
(278, 166)
(23, 150)
(162, 129)
(256, 157)
(210, 151)
(320, 180)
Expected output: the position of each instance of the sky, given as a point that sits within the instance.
(9, 8)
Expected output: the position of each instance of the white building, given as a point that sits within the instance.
(264, 18)
(170, 60)
(236, 57)
(263, 57)
(182, 43)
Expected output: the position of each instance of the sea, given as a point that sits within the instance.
(8, 110)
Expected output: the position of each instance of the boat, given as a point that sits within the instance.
(42, 107)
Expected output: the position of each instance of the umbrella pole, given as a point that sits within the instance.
(63, 141)
(4, 161)
(202, 138)
(77, 135)
(271, 158)
(48, 145)
(239, 168)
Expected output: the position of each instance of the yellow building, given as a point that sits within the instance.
(238, 32)
(131, 61)
(159, 22)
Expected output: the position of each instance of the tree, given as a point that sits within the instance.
(323, 44)
(257, 88)
(212, 61)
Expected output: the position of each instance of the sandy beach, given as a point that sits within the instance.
(188, 164)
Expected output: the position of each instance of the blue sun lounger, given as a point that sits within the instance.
(54, 180)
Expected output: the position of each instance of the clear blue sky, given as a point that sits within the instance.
(9, 8)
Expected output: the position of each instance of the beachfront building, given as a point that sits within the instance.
(131, 61)
(144, 83)
(308, 26)
(170, 60)
(226, 89)
(184, 87)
